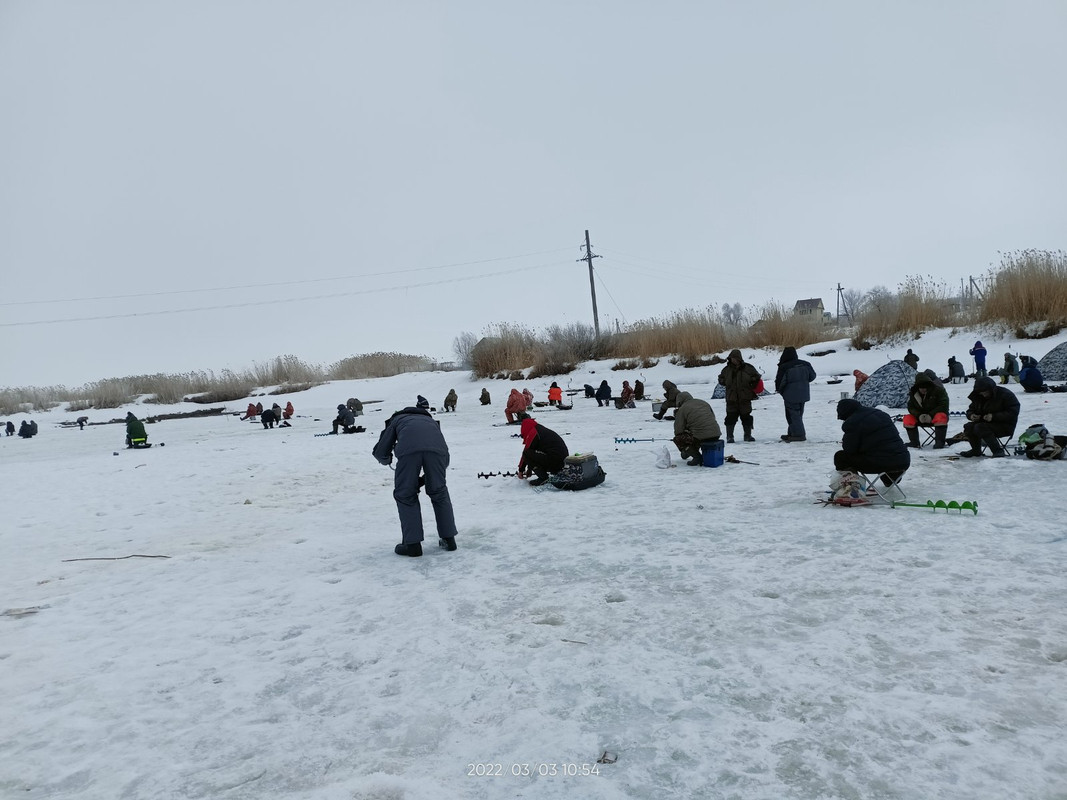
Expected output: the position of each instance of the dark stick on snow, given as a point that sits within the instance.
(118, 558)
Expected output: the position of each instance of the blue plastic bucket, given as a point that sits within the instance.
(712, 453)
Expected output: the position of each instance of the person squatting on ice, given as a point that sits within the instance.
(927, 407)
(670, 399)
(694, 422)
(484, 397)
(603, 394)
(345, 420)
(993, 413)
(740, 379)
(555, 395)
(515, 410)
(543, 452)
(871, 443)
(791, 382)
(415, 438)
(450, 400)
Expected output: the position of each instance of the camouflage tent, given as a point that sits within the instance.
(1054, 365)
(888, 386)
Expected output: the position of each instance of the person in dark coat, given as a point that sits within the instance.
(979, 353)
(670, 399)
(135, 434)
(355, 406)
(589, 391)
(81, 423)
(639, 390)
(269, 417)
(911, 360)
(927, 407)
(740, 379)
(10, 428)
(450, 400)
(993, 413)
(1030, 377)
(259, 408)
(421, 460)
(345, 420)
(871, 443)
(543, 451)
(25, 431)
(603, 394)
(484, 398)
(792, 383)
(956, 372)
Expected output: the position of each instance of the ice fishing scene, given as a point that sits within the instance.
(619, 402)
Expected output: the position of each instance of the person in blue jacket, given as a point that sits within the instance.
(416, 439)
(1030, 376)
(979, 360)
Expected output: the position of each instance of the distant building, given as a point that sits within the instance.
(812, 309)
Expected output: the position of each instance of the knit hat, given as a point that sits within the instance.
(422, 402)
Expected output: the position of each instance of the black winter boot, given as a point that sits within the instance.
(995, 450)
(913, 437)
(747, 426)
(729, 434)
(939, 437)
(414, 549)
(449, 543)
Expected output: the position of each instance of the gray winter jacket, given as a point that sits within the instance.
(695, 417)
(410, 430)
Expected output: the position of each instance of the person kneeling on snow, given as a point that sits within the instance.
(871, 443)
(135, 435)
(694, 422)
(927, 407)
(993, 412)
(543, 452)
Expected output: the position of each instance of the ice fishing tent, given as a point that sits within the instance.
(1054, 365)
(888, 386)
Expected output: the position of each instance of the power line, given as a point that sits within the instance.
(279, 283)
(276, 302)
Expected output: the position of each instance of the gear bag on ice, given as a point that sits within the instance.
(580, 471)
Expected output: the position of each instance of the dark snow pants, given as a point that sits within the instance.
(406, 493)
(794, 418)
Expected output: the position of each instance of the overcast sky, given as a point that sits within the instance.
(330, 178)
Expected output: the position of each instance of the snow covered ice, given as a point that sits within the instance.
(717, 630)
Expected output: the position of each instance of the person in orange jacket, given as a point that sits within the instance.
(555, 395)
(515, 410)
(861, 378)
(250, 412)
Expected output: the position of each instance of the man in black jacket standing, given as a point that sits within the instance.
(416, 439)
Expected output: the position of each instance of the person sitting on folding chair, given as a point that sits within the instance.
(993, 414)
(927, 408)
(871, 444)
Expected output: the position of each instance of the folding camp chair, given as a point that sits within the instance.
(1003, 441)
(875, 486)
(928, 434)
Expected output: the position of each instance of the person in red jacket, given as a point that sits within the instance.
(861, 378)
(289, 411)
(250, 412)
(555, 395)
(516, 407)
(626, 397)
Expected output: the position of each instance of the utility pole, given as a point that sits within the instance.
(592, 289)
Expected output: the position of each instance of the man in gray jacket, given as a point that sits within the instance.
(416, 439)
(694, 422)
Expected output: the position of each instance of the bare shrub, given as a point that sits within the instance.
(376, 365)
(920, 303)
(689, 333)
(31, 398)
(779, 327)
(463, 348)
(545, 368)
(1028, 286)
(503, 349)
(286, 369)
(293, 388)
(626, 364)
